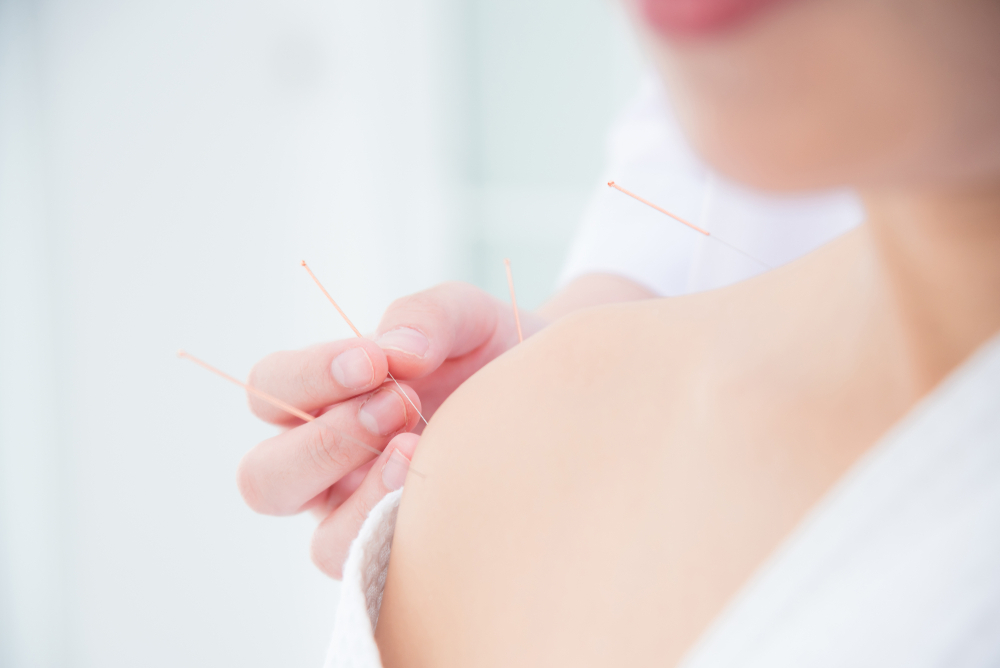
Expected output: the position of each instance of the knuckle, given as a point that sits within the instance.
(324, 558)
(250, 489)
(255, 373)
(452, 288)
(401, 304)
(459, 292)
(328, 450)
(428, 303)
(312, 387)
(359, 513)
(260, 409)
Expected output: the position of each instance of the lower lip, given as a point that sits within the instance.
(692, 18)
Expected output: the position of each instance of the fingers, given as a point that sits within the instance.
(419, 332)
(281, 475)
(332, 538)
(317, 377)
(339, 492)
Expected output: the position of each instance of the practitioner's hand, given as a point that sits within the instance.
(431, 341)
(437, 338)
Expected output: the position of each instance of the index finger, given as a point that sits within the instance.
(280, 475)
(316, 377)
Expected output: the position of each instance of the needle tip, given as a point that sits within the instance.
(611, 184)
(303, 263)
(181, 353)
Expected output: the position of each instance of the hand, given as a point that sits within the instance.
(437, 338)
(431, 341)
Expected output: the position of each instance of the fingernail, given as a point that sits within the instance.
(394, 471)
(405, 340)
(383, 413)
(353, 369)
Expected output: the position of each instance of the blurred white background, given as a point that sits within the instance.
(164, 166)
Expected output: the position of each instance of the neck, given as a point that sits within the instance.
(940, 255)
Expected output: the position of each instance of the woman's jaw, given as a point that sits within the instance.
(812, 94)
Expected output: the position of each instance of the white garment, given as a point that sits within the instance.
(899, 565)
(353, 643)
(648, 155)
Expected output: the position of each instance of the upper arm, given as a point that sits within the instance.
(531, 481)
(467, 533)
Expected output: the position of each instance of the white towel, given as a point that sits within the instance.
(353, 644)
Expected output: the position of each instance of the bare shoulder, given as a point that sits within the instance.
(530, 467)
(596, 495)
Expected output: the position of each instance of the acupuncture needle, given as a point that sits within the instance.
(360, 335)
(278, 403)
(612, 184)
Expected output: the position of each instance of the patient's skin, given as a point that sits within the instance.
(595, 496)
(598, 494)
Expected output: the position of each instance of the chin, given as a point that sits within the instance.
(814, 94)
(782, 142)
(781, 104)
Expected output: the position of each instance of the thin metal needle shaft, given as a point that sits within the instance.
(612, 184)
(358, 332)
(278, 403)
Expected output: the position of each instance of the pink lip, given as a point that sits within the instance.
(698, 17)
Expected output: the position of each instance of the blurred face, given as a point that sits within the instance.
(797, 94)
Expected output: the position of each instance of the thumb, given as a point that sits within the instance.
(420, 331)
(332, 539)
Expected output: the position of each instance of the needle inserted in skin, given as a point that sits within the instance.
(278, 403)
(513, 301)
(612, 184)
(358, 332)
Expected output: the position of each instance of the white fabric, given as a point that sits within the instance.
(353, 644)
(898, 566)
(648, 155)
